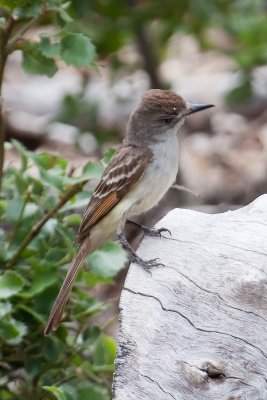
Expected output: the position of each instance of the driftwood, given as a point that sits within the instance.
(197, 327)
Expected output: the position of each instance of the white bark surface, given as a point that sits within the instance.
(197, 328)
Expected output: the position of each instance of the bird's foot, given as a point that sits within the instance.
(150, 231)
(146, 264)
(156, 232)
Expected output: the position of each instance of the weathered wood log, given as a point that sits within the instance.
(197, 327)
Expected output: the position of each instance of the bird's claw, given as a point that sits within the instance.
(147, 264)
(156, 232)
(149, 231)
(163, 230)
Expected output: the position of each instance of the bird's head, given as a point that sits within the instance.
(161, 112)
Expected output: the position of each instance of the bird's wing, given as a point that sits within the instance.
(125, 168)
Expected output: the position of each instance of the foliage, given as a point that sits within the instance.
(38, 208)
(74, 363)
(112, 24)
(41, 56)
(39, 201)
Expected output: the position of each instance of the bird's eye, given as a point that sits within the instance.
(168, 120)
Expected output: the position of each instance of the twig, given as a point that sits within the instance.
(38, 226)
(108, 323)
(5, 32)
(185, 189)
(146, 49)
(6, 47)
(19, 35)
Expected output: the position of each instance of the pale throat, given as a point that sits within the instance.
(167, 143)
(179, 124)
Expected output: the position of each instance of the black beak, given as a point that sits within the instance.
(193, 108)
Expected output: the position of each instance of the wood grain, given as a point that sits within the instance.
(197, 327)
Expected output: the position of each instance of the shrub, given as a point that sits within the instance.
(38, 208)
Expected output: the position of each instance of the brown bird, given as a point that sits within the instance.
(137, 177)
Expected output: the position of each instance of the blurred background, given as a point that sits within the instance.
(210, 51)
(73, 73)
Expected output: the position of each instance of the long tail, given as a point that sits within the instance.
(62, 297)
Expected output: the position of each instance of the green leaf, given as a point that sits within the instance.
(48, 49)
(52, 349)
(54, 255)
(34, 365)
(34, 62)
(56, 391)
(90, 279)
(239, 94)
(5, 308)
(53, 178)
(14, 209)
(30, 10)
(77, 49)
(12, 331)
(93, 170)
(107, 156)
(50, 226)
(77, 202)
(70, 391)
(70, 220)
(10, 284)
(43, 160)
(22, 152)
(63, 13)
(104, 351)
(43, 278)
(31, 312)
(91, 334)
(30, 210)
(11, 4)
(93, 392)
(47, 160)
(109, 260)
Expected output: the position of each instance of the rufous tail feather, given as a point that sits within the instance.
(62, 297)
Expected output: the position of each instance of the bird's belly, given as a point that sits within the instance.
(146, 193)
(156, 181)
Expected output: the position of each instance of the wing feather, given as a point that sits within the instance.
(105, 205)
(125, 168)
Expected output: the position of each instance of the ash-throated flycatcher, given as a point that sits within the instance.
(137, 177)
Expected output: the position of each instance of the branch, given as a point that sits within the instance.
(146, 49)
(38, 226)
(19, 35)
(4, 36)
(187, 190)
(6, 47)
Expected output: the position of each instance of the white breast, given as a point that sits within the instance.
(159, 176)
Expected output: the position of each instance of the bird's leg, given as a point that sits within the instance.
(146, 264)
(148, 231)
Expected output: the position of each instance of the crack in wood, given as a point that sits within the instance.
(152, 380)
(215, 374)
(219, 242)
(207, 307)
(191, 323)
(242, 382)
(240, 248)
(215, 293)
